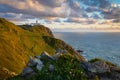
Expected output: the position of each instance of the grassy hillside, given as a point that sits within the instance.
(17, 44)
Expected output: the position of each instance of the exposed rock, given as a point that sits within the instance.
(39, 67)
(57, 55)
(96, 67)
(115, 68)
(27, 71)
(58, 50)
(63, 45)
(39, 63)
(47, 56)
(79, 51)
(31, 62)
(87, 66)
(51, 67)
(35, 62)
(6, 72)
(64, 51)
(105, 78)
(103, 70)
(100, 67)
(38, 56)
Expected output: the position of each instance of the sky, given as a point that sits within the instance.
(63, 14)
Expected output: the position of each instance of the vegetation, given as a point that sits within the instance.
(98, 59)
(65, 68)
(18, 43)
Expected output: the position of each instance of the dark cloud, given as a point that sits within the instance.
(112, 14)
(51, 3)
(73, 20)
(91, 22)
(95, 16)
(116, 20)
(16, 17)
(57, 20)
(74, 5)
(6, 8)
(34, 7)
(75, 9)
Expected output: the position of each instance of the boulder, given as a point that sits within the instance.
(87, 66)
(38, 56)
(31, 62)
(27, 71)
(64, 51)
(57, 55)
(96, 67)
(39, 64)
(115, 68)
(47, 56)
(51, 67)
(58, 50)
(35, 62)
(100, 67)
(39, 67)
(79, 51)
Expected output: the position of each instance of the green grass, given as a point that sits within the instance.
(98, 59)
(17, 44)
(65, 68)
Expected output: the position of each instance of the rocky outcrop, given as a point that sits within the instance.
(27, 71)
(47, 56)
(17, 44)
(33, 62)
(102, 69)
(61, 44)
(38, 64)
(7, 73)
(51, 67)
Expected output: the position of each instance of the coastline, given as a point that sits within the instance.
(84, 30)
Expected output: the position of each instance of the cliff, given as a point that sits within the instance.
(18, 43)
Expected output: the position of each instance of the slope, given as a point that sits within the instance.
(18, 44)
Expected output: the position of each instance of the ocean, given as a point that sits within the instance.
(104, 45)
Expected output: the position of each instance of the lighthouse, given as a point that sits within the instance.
(36, 22)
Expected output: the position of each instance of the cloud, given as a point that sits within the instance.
(76, 9)
(73, 20)
(114, 13)
(57, 20)
(95, 16)
(16, 17)
(48, 21)
(56, 10)
(81, 20)
(35, 8)
(52, 3)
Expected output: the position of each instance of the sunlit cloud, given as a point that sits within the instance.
(61, 12)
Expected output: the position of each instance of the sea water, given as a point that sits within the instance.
(104, 45)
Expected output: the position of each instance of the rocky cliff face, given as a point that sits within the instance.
(17, 44)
